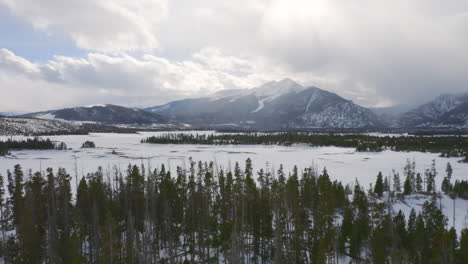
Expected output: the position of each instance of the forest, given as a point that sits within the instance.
(204, 214)
(447, 146)
(30, 143)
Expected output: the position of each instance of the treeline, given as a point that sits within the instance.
(448, 146)
(207, 215)
(88, 144)
(30, 143)
(458, 189)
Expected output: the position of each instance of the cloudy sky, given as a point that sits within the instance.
(56, 53)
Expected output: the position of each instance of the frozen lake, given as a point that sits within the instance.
(342, 163)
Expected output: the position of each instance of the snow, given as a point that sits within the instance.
(272, 90)
(48, 116)
(95, 105)
(312, 99)
(261, 104)
(277, 88)
(264, 93)
(343, 164)
(51, 116)
(25, 125)
(416, 201)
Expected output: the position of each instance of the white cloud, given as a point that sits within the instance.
(99, 25)
(375, 52)
(403, 50)
(111, 78)
(11, 63)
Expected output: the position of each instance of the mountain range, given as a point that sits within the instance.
(445, 111)
(106, 114)
(277, 104)
(281, 104)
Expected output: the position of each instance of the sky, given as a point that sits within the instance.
(140, 53)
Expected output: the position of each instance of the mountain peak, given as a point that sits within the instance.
(288, 81)
(277, 88)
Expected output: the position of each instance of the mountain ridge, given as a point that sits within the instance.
(436, 112)
(102, 113)
(276, 104)
(283, 104)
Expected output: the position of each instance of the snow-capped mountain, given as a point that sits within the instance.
(107, 114)
(277, 104)
(445, 110)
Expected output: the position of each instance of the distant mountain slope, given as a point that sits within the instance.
(6, 114)
(391, 115)
(109, 114)
(445, 110)
(277, 104)
(30, 126)
(455, 117)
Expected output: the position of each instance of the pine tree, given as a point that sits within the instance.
(419, 183)
(462, 256)
(449, 171)
(430, 181)
(446, 183)
(207, 215)
(3, 213)
(16, 190)
(401, 233)
(386, 185)
(396, 182)
(379, 188)
(431, 187)
(407, 186)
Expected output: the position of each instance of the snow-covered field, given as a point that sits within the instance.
(343, 164)
(416, 201)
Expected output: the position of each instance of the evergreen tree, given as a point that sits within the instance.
(396, 182)
(379, 188)
(419, 182)
(462, 256)
(449, 171)
(386, 185)
(446, 183)
(3, 214)
(207, 215)
(16, 190)
(407, 186)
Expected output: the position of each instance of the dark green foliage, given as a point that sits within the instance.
(460, 189)
(419, 182)
(446, 184)
(206, 215)
(449, 146)
(407, 187)
(88, 144)
(379, 186)
(463, 252)
(34, 143)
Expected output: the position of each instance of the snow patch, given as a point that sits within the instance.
(95, 105)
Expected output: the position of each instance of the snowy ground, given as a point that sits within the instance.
(416, 201)
(342, 163)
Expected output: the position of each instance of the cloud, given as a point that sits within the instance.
(97, 25)
(402, 51)
(135, 81)
(10, 63)
(374, 52)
